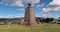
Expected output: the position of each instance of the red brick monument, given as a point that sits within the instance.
(30, 17)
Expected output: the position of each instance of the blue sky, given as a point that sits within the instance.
(11, 9)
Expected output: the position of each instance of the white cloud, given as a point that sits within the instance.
(31, 1)
(45, 15)
(54, 6)
(37, 15)
(18, 2)
(20, 15)
(13, 16)
(12, 2)
(21, 9)
(35, 1)
(55, 2)
(40, 5)
(2, 17)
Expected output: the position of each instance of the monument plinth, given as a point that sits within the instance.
(29, 16)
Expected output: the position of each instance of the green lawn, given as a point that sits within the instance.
(40, 28)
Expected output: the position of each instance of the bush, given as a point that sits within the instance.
(4, 23)
(1, 23)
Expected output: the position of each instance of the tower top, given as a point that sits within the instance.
(29, 4)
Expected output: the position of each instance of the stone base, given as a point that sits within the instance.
(31, 23)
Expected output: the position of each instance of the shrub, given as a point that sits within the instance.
(1, 23)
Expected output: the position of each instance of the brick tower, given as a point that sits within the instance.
(29, 16)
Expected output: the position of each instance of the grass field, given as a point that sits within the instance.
(40, 28)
